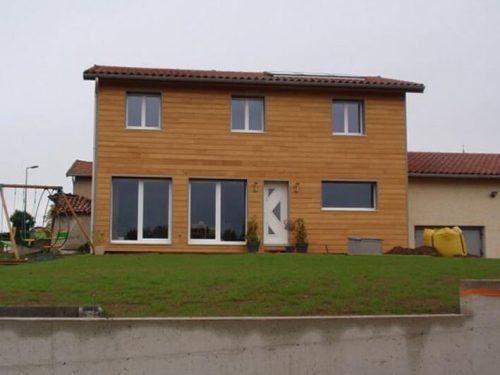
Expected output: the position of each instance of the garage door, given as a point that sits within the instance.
(473, 237)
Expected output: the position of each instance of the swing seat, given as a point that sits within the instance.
(61, 236)
(29, 241)
(37, 236)
(7, 244)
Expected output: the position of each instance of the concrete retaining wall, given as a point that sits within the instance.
(432, 344)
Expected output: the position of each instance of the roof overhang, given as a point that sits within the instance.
(246, 82)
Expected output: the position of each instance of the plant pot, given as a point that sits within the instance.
(253, 246)
(99, 250)
(302, 247)
(289, 249)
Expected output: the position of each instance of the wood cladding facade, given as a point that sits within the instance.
(297, 146)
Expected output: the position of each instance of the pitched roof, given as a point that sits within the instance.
(81, 205)
(80, 168)
(266, 78)
(453, 164)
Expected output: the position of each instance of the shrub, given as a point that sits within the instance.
(17, 221)
(252, 230)
(300, 231)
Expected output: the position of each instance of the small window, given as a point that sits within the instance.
(143, 111)
(217, 211)
(347, 117)
(141, 210)
(247, 114)
(344, 195)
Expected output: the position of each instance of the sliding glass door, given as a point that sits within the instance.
(217, 211)
(141, 210)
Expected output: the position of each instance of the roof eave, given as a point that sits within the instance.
(68, 172)
(455, 175)
(79, 175)
(396, 87)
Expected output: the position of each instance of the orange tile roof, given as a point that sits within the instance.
(80, 168)
(268, 78)
(81, 205)
(447, 163)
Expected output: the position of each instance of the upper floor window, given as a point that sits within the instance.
(347, 117)
(247, 114)
(348, 195)
(143, 111)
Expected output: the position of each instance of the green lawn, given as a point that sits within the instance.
(247, 284)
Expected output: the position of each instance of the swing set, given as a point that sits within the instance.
(55, 228)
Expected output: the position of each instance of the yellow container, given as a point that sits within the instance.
(449, 242)
(427, 237)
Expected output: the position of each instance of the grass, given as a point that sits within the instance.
(247, 284)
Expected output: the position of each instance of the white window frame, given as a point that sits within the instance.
(140, 215)
(361, 106)
(247, 114)
(218, 239)
(143, 97)
(365, 209)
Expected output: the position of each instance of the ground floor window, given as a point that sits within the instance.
(348, 195)
(217, 211)
(141, 210)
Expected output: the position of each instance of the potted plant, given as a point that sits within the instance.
(301, 243)
(253, 240)
(290, 227)
(98, 243)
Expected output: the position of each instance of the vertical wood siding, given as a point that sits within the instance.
(297, 146)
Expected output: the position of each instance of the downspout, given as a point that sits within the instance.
(94, 162)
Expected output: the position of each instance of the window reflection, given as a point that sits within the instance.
(124, 219)
(202, 210)
(348, 194)
(218, 210)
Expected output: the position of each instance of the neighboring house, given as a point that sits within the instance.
(81, 174)
(184, 158)
(448, 189)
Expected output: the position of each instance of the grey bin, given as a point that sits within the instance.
(364, 246)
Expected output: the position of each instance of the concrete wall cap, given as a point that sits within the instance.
(480, 284)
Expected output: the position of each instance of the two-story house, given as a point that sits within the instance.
(184, 158)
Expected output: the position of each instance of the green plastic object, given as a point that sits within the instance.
(61, 236)
(45, 236)
(40, 236)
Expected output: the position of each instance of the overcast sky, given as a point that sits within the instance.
(46, 114)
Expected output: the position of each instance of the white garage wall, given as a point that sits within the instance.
(456, 201)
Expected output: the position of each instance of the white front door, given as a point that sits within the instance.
(275, 213)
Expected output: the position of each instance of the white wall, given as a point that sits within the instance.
(453, 201)
(83, 186)
(75, 238)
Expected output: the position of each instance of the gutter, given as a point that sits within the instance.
(92, 76)
(455, 176)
